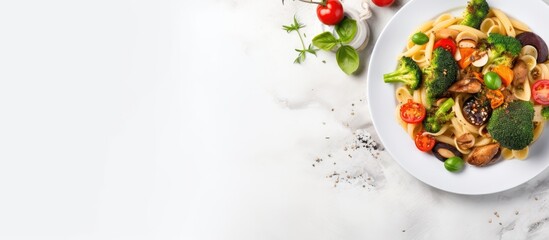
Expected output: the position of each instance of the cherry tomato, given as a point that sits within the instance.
(446, 43)
(424, 142)
(540, 92)
(331, 13)
(383, 3)
(412, 112)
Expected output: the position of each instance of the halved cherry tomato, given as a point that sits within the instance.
(505, 73)
(424, 143)
(412, 112)
(465, 60)
(496, 98)
(446, 43)
(540, 92)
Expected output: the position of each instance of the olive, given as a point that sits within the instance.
(443, 151)
(477, 111)
(454, 164)
(492, 80)
(420, 38)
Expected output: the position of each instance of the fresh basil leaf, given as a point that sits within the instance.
(346, 30)
(325, 41)
(347, 59)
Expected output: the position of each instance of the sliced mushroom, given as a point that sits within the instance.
(484, 155)
(479, 59)
(520, 71)
(467, 43)
(468, 85)
(477, 55)
(443, 151)
(466, 141)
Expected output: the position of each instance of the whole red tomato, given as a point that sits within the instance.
(383, 3)
(331, 13)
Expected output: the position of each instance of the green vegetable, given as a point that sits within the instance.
(347, 57)
(512, 125)
(492, 80)
(325, 41)
(475, 13)
(545, 113)
(502, 43)
(436, 119)
(454, 164)
(407, 72)
(503, 49)
(346, 30)
(295, 26)
(420, 38)
(440, 75)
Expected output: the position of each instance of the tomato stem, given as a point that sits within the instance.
(311, 1)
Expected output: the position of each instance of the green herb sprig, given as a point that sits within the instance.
(346, 56)
(295, 26)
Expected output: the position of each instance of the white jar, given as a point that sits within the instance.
(361, 39)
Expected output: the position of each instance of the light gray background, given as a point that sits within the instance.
(187, 120)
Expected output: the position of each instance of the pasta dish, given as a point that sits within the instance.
(473, 88)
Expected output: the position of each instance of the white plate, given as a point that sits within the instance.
(425, 167)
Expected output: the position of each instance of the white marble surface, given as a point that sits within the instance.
(187, 120)
(274, 119)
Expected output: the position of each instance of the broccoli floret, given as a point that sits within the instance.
(503, 49)
(545, 113)
(512, 125)
(408, 72)
(475, 13)
(436, 119)
(440, 75)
